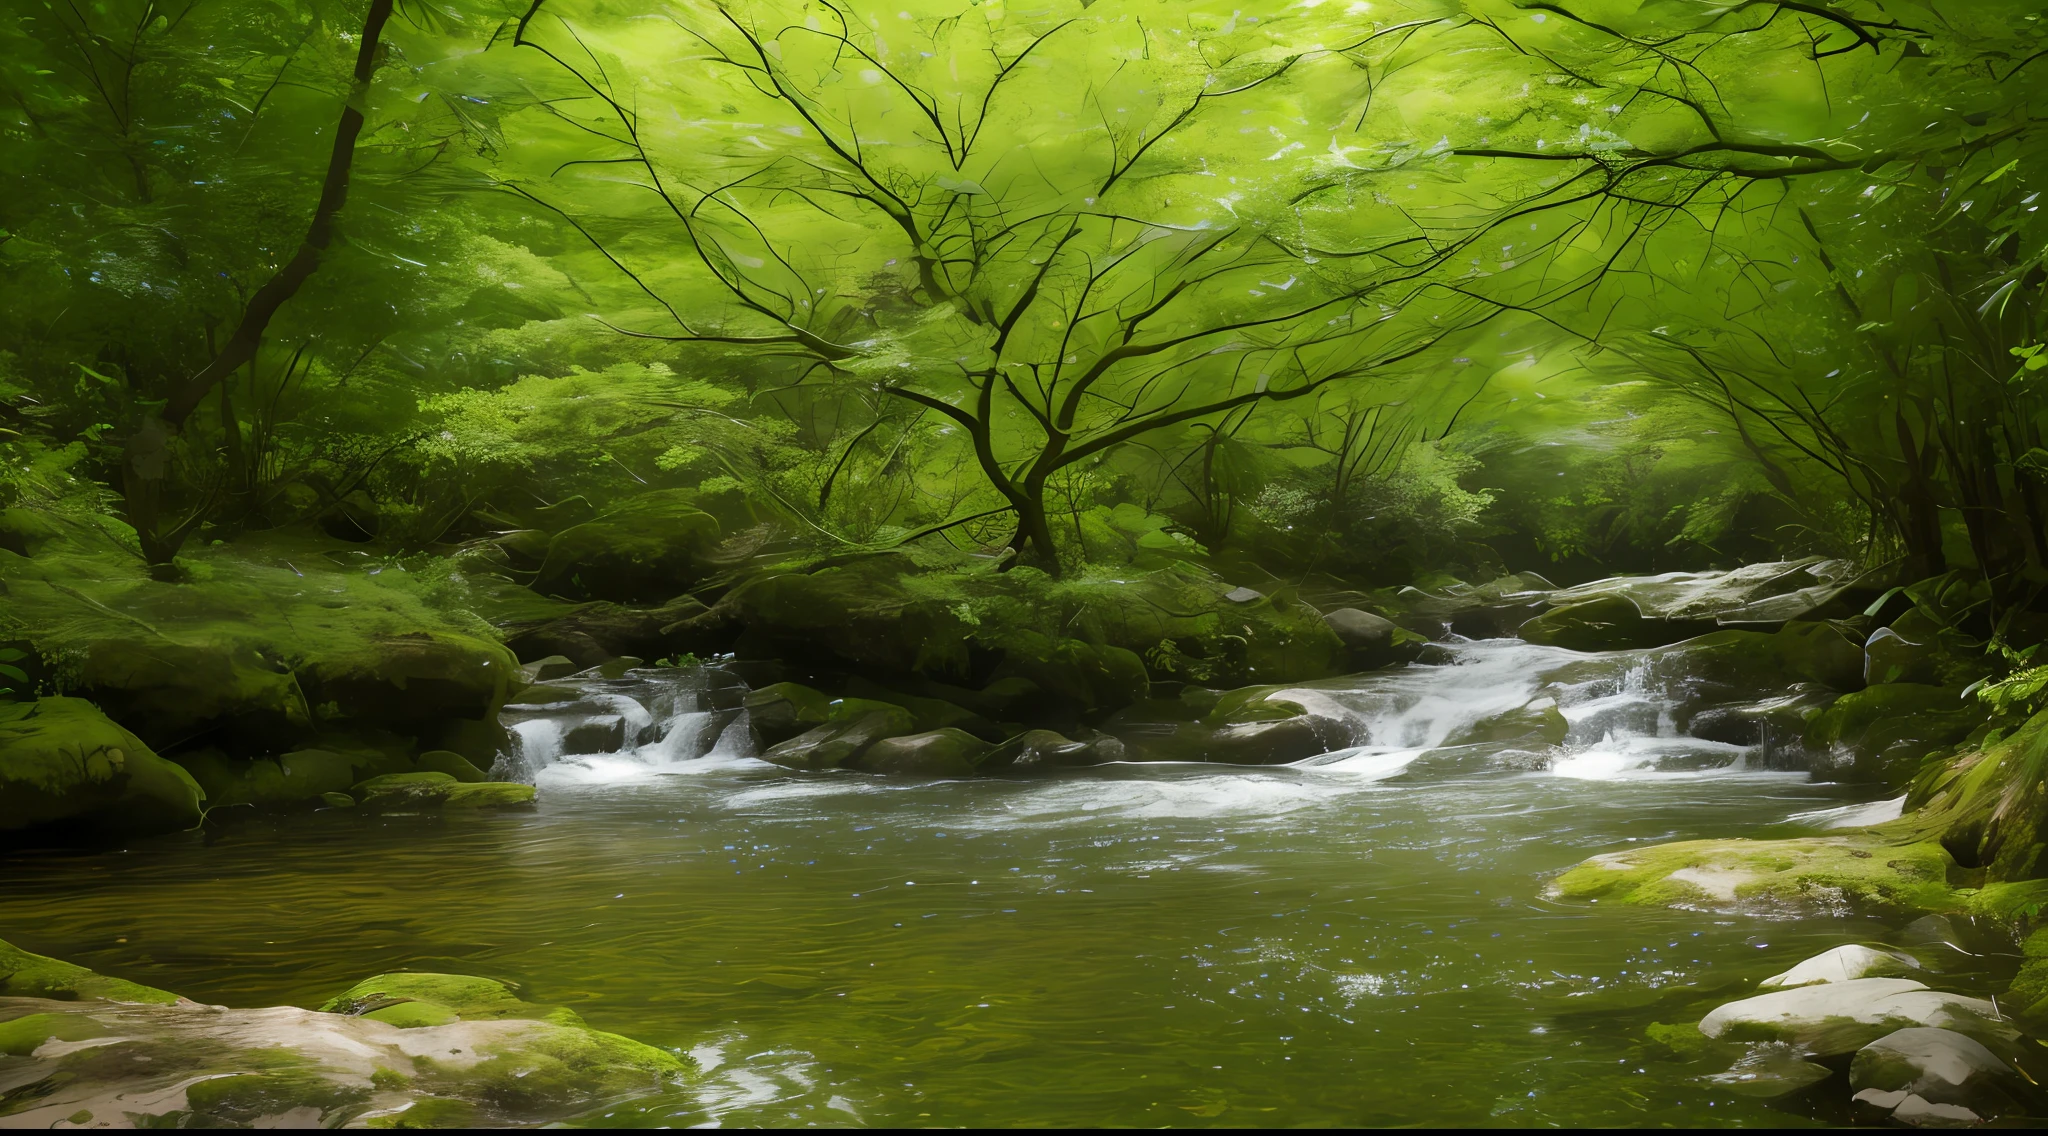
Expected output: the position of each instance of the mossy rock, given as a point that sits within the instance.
(263, 644)
(1605, 623)
(62, 761)
(24, 1035)
(937, 753)
(1540, 723)
(297, 778)
(1732, 664)
(1089, 645)
(406, 791)
(782, 710)
(1882, 734)
(1828, 873)
(643, 549)
(449, 997)
(25, 975)
(854, 725)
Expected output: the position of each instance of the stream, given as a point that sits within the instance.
(1361, 938)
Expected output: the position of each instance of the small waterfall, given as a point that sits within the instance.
(1492, 707)
(646, 722)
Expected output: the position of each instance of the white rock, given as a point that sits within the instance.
(1935, 1064)
(1841, 965)
(1841, 1017)
(1926, 1114)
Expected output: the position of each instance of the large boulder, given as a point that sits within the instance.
(1044, 749)
(1766, 594)
(1372, 641)
(936, 753)
(1841, 1017)
(397, 1051)
(597, 632)
(641, 550)
(780, 711)
(62, 762)
(853, 726)
(1882, 734)
(1937, 1065)
(1606, 623)
(1735, 664)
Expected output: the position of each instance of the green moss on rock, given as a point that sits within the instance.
(25, 975)
(462, 997)
(1828, 872)
(24, 1035)
(61, 760)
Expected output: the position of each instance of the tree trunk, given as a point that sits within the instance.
(145, 461)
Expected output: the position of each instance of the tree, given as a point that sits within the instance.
(1049, 229)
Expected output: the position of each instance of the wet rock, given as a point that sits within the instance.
(605, 733)
(931, 713)
(62, 762)
(1882, 734)
(1937, 1065)
(1773, 728)
(1538, 724)
(404, 1050)
(855, 725)
(640, 550)
(1043, 749)
(1842, 964)
(1605, 623)
(407, 791)
(936, 753)
(1769, 593)
(1268, 743)
(1372, 641)
(783, 710)
(1842, 1017)
(1739, 665)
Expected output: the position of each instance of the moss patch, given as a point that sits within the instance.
(1826, 872)
(462, 997)
(25, 1035)
(62, 760)
(25, 975)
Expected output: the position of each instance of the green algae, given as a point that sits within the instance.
(1828, 872)
(460, 996)
(24, 1035)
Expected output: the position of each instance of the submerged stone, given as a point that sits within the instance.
(1770, 1070)
(1824, 872)
(63, 762)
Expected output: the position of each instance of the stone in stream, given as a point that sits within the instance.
(780, 711)
(1843, 964)
(1938, 1065)
(857, 725)
(62, 762)
(1046, 749)
(406, 791)
(936, 753)
(1372, 641)
(398, 1050)
(1842, 1017)
(1883, 733)
(1606, 623)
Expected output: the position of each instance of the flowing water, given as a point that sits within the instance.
(1363, 938)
